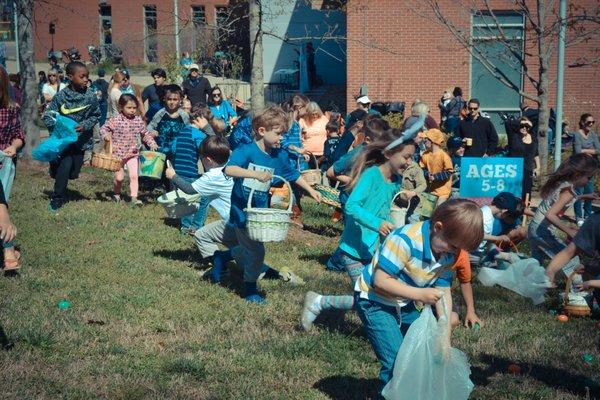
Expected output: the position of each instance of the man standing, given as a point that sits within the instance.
(195, 87)
(478, 133)
(153, 93)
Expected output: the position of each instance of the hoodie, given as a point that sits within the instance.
(80, 107)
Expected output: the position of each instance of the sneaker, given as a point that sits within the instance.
(288, 276)
(255, 298)
(580, 222)
(116, 198)
(311, 310)
(54, 206)
(135, 202)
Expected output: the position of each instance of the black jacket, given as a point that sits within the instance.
(197, 92)
(483, 133)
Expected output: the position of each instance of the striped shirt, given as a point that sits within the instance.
(185, 151)
(406, 255)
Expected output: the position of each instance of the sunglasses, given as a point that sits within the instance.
(216, 95)
(524, 126)
(473, 108)
(54, 75)
(590, 122)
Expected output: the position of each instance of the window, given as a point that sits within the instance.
(150, 36)
(198, 15)
(503, 55)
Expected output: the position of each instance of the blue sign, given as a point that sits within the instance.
(488, 176)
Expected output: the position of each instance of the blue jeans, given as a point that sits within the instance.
(197, 220)
(382, 326)
(103, 111)
(452, 124)
(583, 208)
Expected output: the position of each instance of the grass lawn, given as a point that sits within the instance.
(143, 325)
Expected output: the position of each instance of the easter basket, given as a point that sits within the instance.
(177, 204)
(574, 308)
(329, 195)
(313, 176)
(105, 160)
(267, 224)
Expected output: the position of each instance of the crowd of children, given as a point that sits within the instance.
(394, 268)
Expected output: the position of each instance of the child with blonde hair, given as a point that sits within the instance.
(438, 164)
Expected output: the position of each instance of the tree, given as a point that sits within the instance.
(542, 26)
(256, 53)
(28, 80)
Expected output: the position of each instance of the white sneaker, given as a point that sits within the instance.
(311, 310)
(580, 222)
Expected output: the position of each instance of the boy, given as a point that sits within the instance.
(250, 165)
(186, 146)
(169, 120)
(333, 138)
(81, 105)
(438, 164)
(456, 148)
(413, 264)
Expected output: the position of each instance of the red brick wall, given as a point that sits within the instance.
(407, 56)
(77, 24)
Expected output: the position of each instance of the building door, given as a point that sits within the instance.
(496, 98)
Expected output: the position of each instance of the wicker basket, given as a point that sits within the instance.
(267, 224)
(329, 195)
(313, 176)
(105, 160)
(177, 204)
(571, 309)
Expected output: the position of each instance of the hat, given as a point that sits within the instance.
(193, 66)
(509, 202)
(364, 100)
(435, 135)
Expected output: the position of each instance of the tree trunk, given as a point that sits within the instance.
(544, 54)
(257, 93)
(28, 80)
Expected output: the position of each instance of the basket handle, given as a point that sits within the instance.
(249, 204)
(108, 147)
(568, 286)
(314, 158)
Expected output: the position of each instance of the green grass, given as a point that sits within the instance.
(143, 325)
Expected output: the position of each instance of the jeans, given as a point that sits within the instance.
(382, 326)
(66, 167)
(452, 124)
(583, 208)
(196, 221)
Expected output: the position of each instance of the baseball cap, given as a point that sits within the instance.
(194, 66)
(435, 135)
(509, 202)
(364, 100)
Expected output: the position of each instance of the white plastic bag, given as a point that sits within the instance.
(427, 367)
(525, 277)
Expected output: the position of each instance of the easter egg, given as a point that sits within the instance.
(476, 326)
(514, 369)
(64, 304)
(588, 358)
(562, 318)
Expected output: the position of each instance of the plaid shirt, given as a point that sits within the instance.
(10, 126)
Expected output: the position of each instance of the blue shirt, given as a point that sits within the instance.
(242, 133)
(277, 161)
(343, 166)
(223, 111)
(185, 151)
(168, 128)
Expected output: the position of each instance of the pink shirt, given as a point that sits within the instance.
(315, 135)
(126, 134)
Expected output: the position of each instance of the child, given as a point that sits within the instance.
(557, 195)
(333, 138)
(257, 161)
(456, 148)
(413, 264)
(186, 145)
(81, 105)
(413, 184)
(438, 164)
(168, 121)
(186, 105)
(375, 180)
(125, 130)
(8, 232)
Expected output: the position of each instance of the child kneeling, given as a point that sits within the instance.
(413, 264)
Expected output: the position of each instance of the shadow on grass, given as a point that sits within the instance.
(172, 222)
(560, 379)
(323, 230)
(70, 195)
(190, 255)
(320, 258)
(335, 321)
(348, 387)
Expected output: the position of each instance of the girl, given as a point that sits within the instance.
(53, 86)
(125, 130)
(557, 195)
(585, 142)
(375, 179)
(12, 139)
(221, 109)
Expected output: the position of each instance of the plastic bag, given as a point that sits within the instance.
(427, 367)
(7, 173)
(525, 277)
(63, 135)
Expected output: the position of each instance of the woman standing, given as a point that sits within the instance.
(585, 142)
(120, 85)
(313, 130)
(523, 144)
(53, 86)
(221, 109)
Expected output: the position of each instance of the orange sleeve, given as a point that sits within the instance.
(447, 163)
(463, 267)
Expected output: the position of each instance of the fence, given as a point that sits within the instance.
(274, 92)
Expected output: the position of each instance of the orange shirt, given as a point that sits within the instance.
(435, 162)
(462, 265)
(314, 135)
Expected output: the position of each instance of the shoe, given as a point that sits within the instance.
(311, 310)
(580, 222)
(135, 202)
(296, 217)
(54, 206)
(187, 231)
(116, 198)
(288, 276)
(255, 298)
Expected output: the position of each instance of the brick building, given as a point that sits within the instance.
(402, 55)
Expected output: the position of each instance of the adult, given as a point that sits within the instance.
(585, 141)
(534, 115)
(154, 93)
(196, 87)
(452, 110)
(53, 86)
(522, 143)
(314, 134)
(478, 132)
(121, 84)
(101, 88)
(221, 108)
(417, 109)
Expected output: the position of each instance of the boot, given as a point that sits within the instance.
(296, 216)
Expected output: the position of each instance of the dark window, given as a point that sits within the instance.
(198, 15)
(150, 36)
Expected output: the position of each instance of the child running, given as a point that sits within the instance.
(557, 195)
(168, 121)
(125, 130)
(257, 161)
(375, 180)
(438, 164)
(81, 105)
(413, 264)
